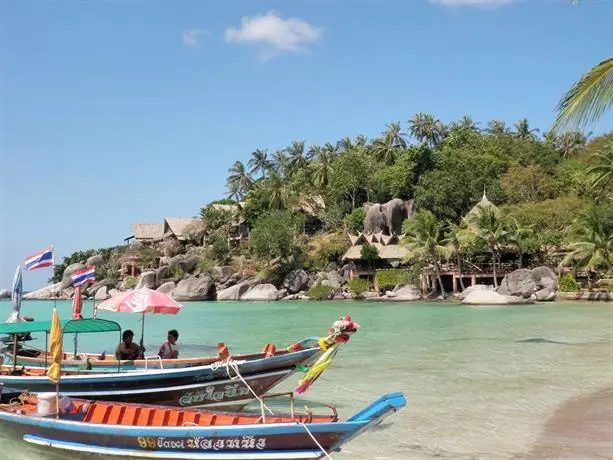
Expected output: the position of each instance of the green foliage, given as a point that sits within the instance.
(528, 183)
(568, 283)
(354, 221)
(149, 256)
(350, 176)
(274, 235)
(388, 279)
(369, 253)
(358, 286)
(329, 248)
(205, 265)
(320, 292)
(176, 272)
(221, 251)
(130, 282)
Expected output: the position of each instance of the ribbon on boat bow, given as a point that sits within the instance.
(339, 333)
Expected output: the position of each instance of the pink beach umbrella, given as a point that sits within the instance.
(142, 301)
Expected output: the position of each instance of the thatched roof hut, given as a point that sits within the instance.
(388, 246)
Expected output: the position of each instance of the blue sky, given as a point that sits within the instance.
(115, 112)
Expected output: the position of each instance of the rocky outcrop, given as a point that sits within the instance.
(296, 281)
(98, 259)
(222, 274)
(192, 288)
(5, 293)
(114, 292)
(388, 217)
(161, 275)
(102, 294)
(331, 279)
(237, 291)
(540, 284)
(476, 287)
(491, 297)
(48, 292)
(146, 280)
(108, 282)
(405, 293)
(167, 288)
(261, 292)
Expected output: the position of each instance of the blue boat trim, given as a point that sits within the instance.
(86, 448)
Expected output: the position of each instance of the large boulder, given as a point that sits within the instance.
(201, 288)
(237, 291)
(102, 293)
(295, 281)
(66, 280)
(188, 263)
(375, 220)
(108, 282)
(98, 259)
(261, 292)
(114, 292)
(388, 217)
(167, 288)
(48, 292)
(5, 293)
(146, 280)
(476, 287)
(491, 297)
(222, 274)
(161, 274)
(526, 283)
(405, 293)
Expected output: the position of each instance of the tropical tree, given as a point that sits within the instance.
(321, 168)
(425, 241)
(425, 128)
(489, 229)
(522, 237)
(456, 239)
(567, 144)
(259, 162)
(523, 130)
(239, 181)
(497, 128)
(465, 123)
(601, 172)
(591, 240)
(280, 162)
(588, 99)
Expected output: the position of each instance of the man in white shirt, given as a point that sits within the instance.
(170, 349)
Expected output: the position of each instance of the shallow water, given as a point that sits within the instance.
(481, 383)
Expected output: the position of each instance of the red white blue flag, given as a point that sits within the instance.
(87, 275)
(40, 259)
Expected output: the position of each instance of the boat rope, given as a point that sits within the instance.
(232, 364)
(328, 456)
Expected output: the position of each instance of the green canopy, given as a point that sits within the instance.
(74, 326)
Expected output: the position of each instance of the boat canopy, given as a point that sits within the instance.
(73, 326)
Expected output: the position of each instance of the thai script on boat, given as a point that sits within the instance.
(209, 394)
(243, 443)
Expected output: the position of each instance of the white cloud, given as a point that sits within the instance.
(273, 35)
(475, 3)
(192, 37)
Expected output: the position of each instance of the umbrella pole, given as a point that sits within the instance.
(142, 335)
(95, 311)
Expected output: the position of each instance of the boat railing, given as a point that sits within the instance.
(154, 357)
(292, 401)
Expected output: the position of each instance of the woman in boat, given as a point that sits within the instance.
(170, 349)
(127, 349)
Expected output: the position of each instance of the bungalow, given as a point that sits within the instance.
(153, 233)
(391, 253)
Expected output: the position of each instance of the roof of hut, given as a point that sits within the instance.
(147, 232)
(176, 226)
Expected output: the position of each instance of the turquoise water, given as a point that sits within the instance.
(480, 383)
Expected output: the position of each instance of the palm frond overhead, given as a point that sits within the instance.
(588, 99)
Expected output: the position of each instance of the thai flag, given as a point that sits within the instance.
(40, 259)
(81, 277)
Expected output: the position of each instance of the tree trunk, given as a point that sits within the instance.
(353, 200)
(521, 259)
(459, 262)
(494, 268)
(437, 274)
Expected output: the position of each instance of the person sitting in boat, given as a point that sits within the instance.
(170, 349)
(127, 349)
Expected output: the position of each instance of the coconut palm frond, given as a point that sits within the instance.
(588, 99)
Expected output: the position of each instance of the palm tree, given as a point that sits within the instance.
(523, 130)
(322, 168)
(591, 241)
(455, 239)
(384, 150)
(234, 191)
(345, 144)
(274, 192)
(588, 99)
(465, 123)
(601, 173)
(567, 144)
(280, 162)
(239, 181)
(297, 160)
(497, 128)
(519, 236)
(425, 241)
(425, 128)
(488, 228)
(259, 162)
(314, 151)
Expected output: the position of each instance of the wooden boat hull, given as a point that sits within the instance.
(215, 386)
(287, 439)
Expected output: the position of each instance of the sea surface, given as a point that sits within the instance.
(521, 382)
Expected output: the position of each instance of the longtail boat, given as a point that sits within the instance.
(225, 383)
(340, 331)
(153, 431)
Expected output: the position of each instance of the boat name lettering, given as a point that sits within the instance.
(198, 443)
(209, 394)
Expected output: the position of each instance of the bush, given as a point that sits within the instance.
(274, 235)
(332, 249)
(369, 253)
(130, 282)
(320, 292)
(568, 283)
(358, 286)
(176, 272)
(205, 265)
(388, 279)
(355, 220)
